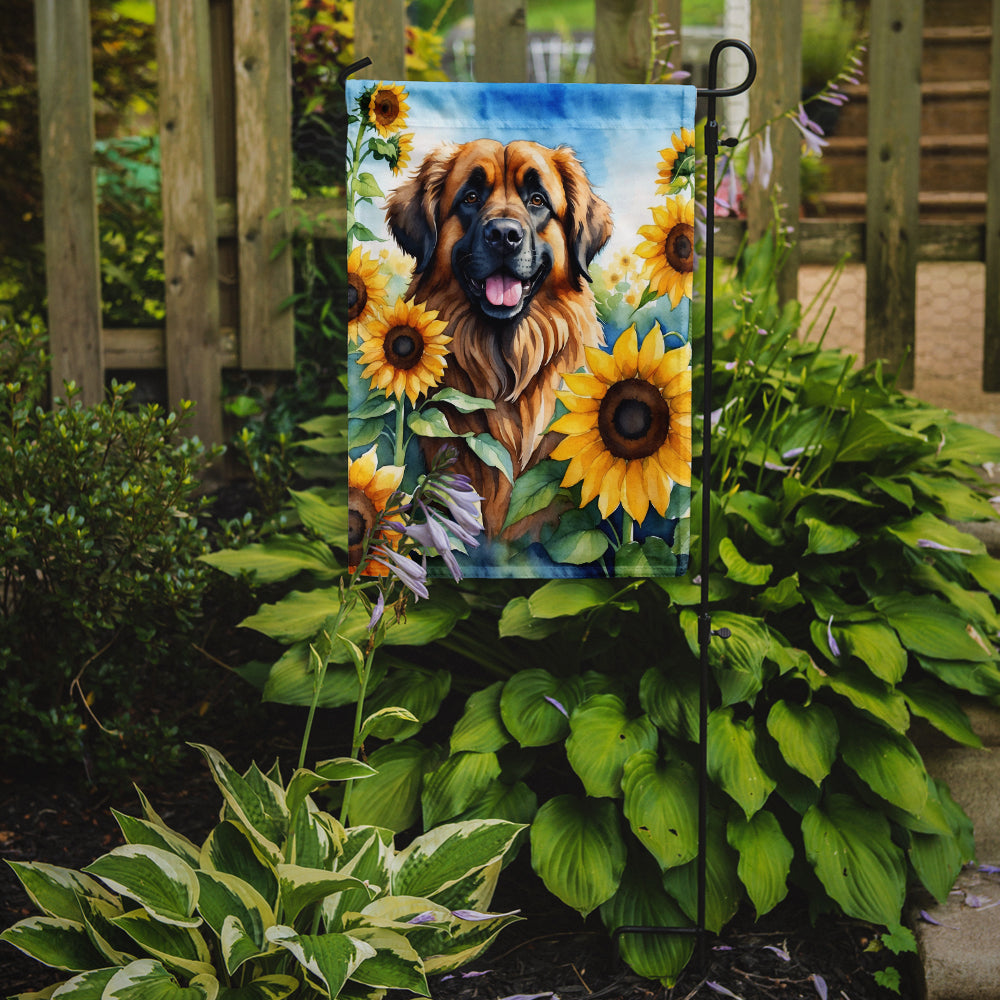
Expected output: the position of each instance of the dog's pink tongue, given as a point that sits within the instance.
(503, 290)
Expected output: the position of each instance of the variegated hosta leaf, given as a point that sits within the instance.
(602, 737)
(578, 851)
(468, 939)
(456, 784)
(177, 947)
(158, 880)
(147, 979)
(888, 763)
(86, 986)
(395, 964)
(225, 897)
(230, 849)
(315, 838)
(301, 887)
(256, 801)
(54, 941)
(441, 857)
(732, 760)
(642, 902)
(765, 858)
(275, 987)
(56, 891)
(475, 891)
(661, 799)
(116, 946)
(850, 847)
(481, 727)
(807, 736)
(141, 831)
(367, 853)
(304, 782)
(328, 959)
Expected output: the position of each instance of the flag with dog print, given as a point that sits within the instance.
(520, 265)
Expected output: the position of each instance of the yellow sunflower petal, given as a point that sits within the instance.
(361, 470)
(575, 423)
(680, 403)
(602, 365)
(610, 496)
(650, 353)
(626, 351)
(680, 443)
(585, 384)
(568, 447)
(657, 485)
(673, 465)
(635, 499)
(581, 462)
(578, 404)
(673, 362)
(595, 477)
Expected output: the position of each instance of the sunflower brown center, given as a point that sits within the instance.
(679, 248)
(633, 419)
(386, 107)
(403, 347)
(357, 296)
(361, 520)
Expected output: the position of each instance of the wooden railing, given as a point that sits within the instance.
(226, 161)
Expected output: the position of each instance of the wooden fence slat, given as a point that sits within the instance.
(380, 34)
(190, 253)
(72, 255)
(776, 36)
(892, 215)
(991, 331)
(622, 40)
(501, 37)
(261, 57)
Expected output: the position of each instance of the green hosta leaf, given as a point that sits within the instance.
(926, 528)
(438, 859)
(141, 831)
(418, 690)
(54, 941)
(238, 944)
(765, 858)
(578, 851)
(868, 693)
(481, 728)
(147, 979)
(760, 512)
(391, 798)
(559, 598)
(315, 838)
(783, 595)
(738, 661)
(941, 709)
(456, 784)
(159, 881)
(807, 736)
(732, 760)
(292, 680)
(534, 490)
(876, 646)
(957, 501)
(986, 572)
(263, 812)
(661, 798)
(932, 628)
(279, 558)
(275, 987)
(670, 698)
(937, 859)
(56, 891)
(517, 620)
(230, 849)
(723, 889)
(738, 569)
(976, 678)
(530, 706)
(330, 959)
(602, 738)
(366, 855)
(515, 803)
(827, 539)
(641, 901)
(395, 964)
(870, 436)
(180, 948)
(328, 520)
(850, 848)
(468, 940)
(98, 914)
(888, 763)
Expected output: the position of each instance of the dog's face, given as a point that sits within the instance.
(504, 222)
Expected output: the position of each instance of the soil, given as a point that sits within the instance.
(551, 953)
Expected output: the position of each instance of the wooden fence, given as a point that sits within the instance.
(226, 162)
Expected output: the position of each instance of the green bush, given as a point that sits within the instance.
(101, 584)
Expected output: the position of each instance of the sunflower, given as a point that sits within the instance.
(628, 430)
(668, 249)
(365, 291)
(404, 350)
(677, 160)
(387, 108)
(368, 491)
(404, 143)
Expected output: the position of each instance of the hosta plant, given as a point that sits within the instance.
(279, 900)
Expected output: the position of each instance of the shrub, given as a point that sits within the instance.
(280, 899)
(101, 584)
(854, 603)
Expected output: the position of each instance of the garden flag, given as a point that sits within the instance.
(520, 265)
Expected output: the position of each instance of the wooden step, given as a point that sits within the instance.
(954, 206)
(956, 53)
(940, 13)
(947, 107)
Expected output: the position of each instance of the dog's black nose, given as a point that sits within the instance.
(505, 235)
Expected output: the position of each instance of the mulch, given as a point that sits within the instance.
(551, 953)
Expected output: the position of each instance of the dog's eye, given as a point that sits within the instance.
(471, 198)
(537, 200)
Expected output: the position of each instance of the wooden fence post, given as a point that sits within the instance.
(893, 183)
(622, 40)
(380, 34)
(190, 251)
(261, 57)
(776, 35)
(72, 255)
(991, 332)
(501, 41)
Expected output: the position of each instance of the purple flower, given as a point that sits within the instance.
(427, 917)
(558, 705)
(760, 164)
(430, 534)
(475, 915)
(834, 648)
(820, 983)
(927, 543)
(729, 195)
(455, 492)
(410, 574)
(719, 988)
(811, 132)
(377, 612)
(780, 952)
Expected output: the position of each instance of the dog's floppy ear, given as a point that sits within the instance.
(588, 218)
(411, 209)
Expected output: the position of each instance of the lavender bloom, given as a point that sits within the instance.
(430, 534)
(820, 983)
(927, 543)
(811, 132)
(409, 573)
(760, 164)
(558, 705)
(834, 648)
(377, 612)
(476, 915)
(427, 917)
(455, 492)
